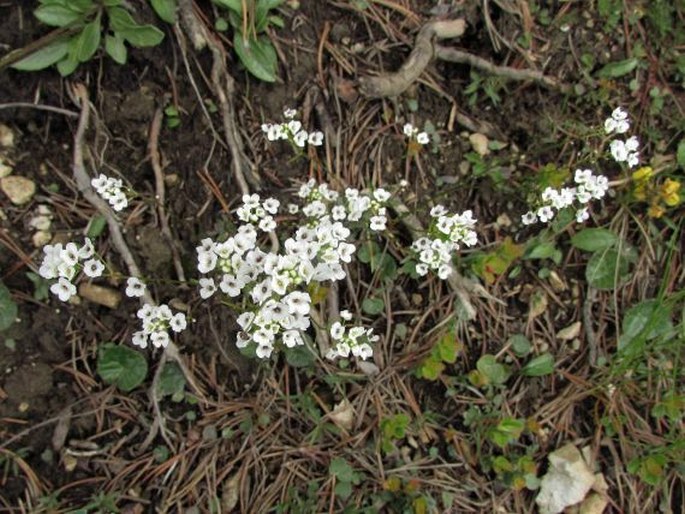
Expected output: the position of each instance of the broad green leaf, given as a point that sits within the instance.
(120, 19)
(618, 69)
(520, 345)
(88, 40)
(46, 56)
(115, 48)
(448, 347)
(81, 6)
(507, 431)
(96, 226)
(539, 366)
(234, 5)
(299, 357)
(373, 306)
(544, 250)
(430, 369)
(67, 65)
(594, 239)
(257, 55)
(369, 251)
(56, 15)
(142, 35)
(648, 319)
(341, 469)
(262, 13)
(165, 9)
(8, 309)
(122, 366)
(606, 269)
(171, 380)
(492, 370)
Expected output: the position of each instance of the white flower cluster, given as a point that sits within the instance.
(111, 189)
(413, 134)
(449, 233)
(354, 341)
(351, 206)
(254, 211)
(292, 131)
(589, 187)
(622, 151)
(273, 286)
(63, 263)
(156, 321)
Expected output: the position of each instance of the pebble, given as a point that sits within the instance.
(100, 295)
(19, 190)
(6, 136)
(5, 167)
(479, 142)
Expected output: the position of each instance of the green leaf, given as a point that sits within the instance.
(171, 380)
(507, 431)
(539, 366)
(165, 9)
(618, 69)
(520, 345)
(122, 366)
(448, 347)
(544, 250)
(115, 48)
(430, 369)
(81, 6)
(8, 309)
(234, 5)
(56, 15)
(46, 56)
(67, 66)
(341, 469)
(142, 35)
(373, 306)
(262, 13)
(120, 19)
(648, 319)
(680, 155)
(594, 239)
(88, 40)
(606, 269)
(257, 55)
(299, 356)
(492, 370)
(96, 226)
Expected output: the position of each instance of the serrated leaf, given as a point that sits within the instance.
(606, 269)
(594, 239)
(122, 366)
(46, 56)
(88, 41)
(618, 69)
(540, 366)
(373, 306)
(165, 9)
(56, 15)
(8, 308)
(115, 48)
(142, 35)
(257, 55)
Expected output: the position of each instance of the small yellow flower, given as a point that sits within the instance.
(644, 173)
(655, 211)
(672, 199)
(639, 192)
(669, 187)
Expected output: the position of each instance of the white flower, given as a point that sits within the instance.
(294, 127)
(545, 213)
(264, 351)
(438, 211)
(633, 159)
(289, 113)
(207, 288)
(159, 339)
(135, 288)
(206, 261)
(422, 269)
(230, 285)
(178, 322)
(377, 223)
(422, 138)
(315, 138)
(300, 138)
(298, 302)
(346, 315)
(632, 144)
(93, 268)
(267, 224)
(139, 339)
(582, 176)
(293, 208)
(529, 218)
(408, 129)
(271, 205)
(582, 215)
(362, 351)
(381, 195)
(337, 331)
(444, 271)
(618, 150)
(87, 250)
(63, 289)
(99, 183)
(292, 338)
(69, 255)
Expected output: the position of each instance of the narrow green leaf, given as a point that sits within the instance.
(120, 19)
(88, 40)
(115, 48)
(618, 69)
(8, 309)
(594, 239)
(122, 366)
(539, 366)
(165, 9)
(257, 55)
(142, 35)
(648, 319)
(56, 15)
(680, 155)
(97, 226)
(544, 250)
(46, 56)
(234, 5)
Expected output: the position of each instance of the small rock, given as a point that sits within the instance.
(479, 142)
(19, 190)
(567, 481)
(570, 332)
(100, 295)
(343, 415)
(171, 180)
(40, 222)
(41, 238)
(6, 136)
(6, 167)
(503, 221)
